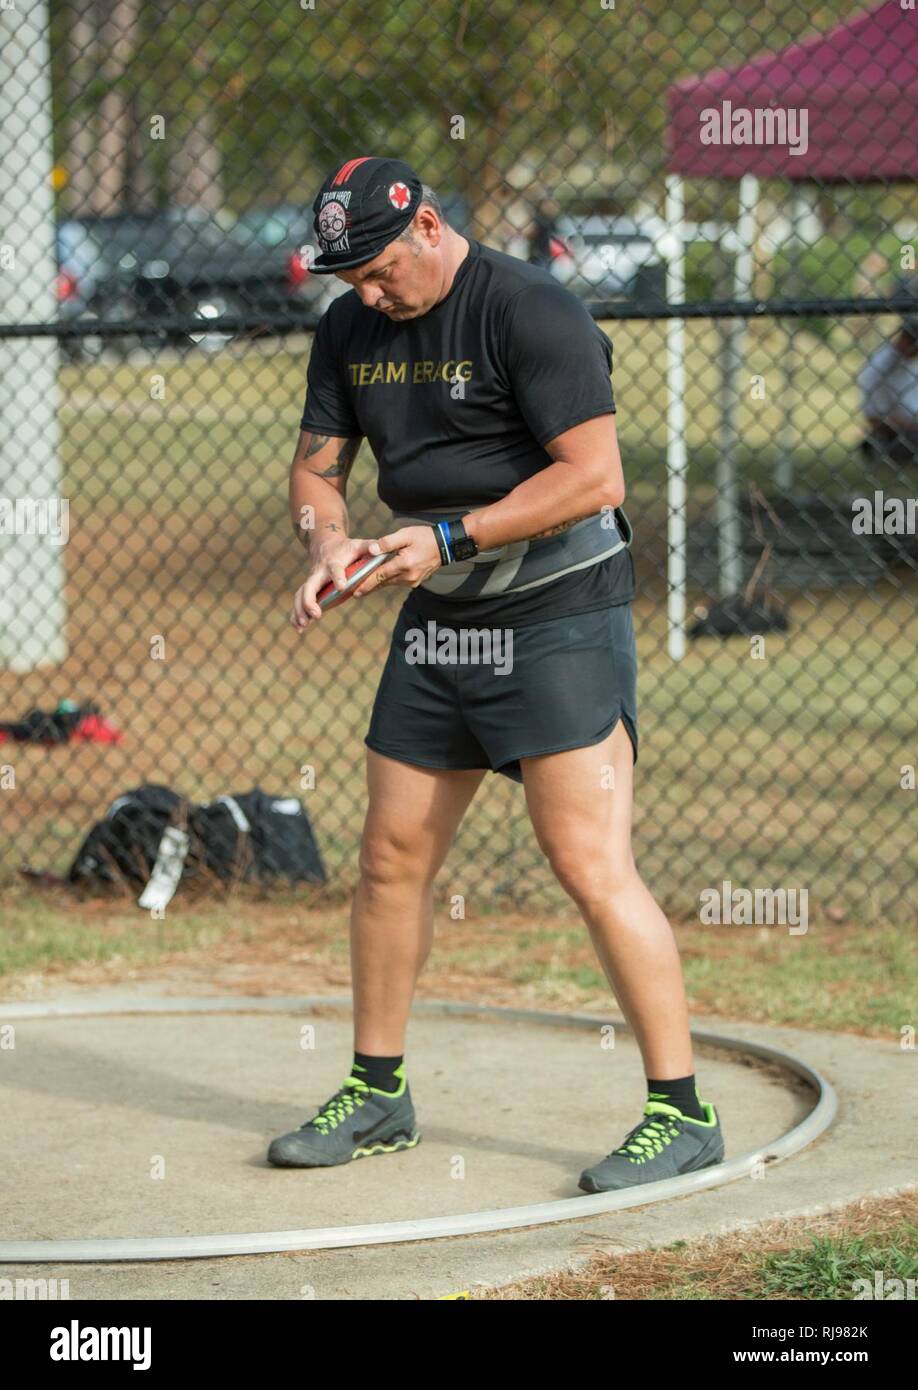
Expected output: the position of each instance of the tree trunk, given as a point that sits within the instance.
(196, 167)
(117, 38)
(142, 181)
(82, 57)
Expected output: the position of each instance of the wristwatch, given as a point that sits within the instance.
(453, 541)
(460, 542)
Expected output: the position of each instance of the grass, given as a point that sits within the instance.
(798, 1259)
(36, 939)
(832, 1268)
(839, 977)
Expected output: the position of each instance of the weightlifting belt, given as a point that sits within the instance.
(519, 565)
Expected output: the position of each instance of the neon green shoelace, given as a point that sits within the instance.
(650, 1140)
(342, 1104)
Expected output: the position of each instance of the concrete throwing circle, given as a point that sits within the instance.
(791, 1141)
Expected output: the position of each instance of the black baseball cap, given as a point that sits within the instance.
(366, 203)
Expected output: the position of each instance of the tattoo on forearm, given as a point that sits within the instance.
(556, 530)
(308, 537)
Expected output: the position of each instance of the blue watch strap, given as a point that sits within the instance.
(443, 528)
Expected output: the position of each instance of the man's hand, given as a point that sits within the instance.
(331, 561)
(418, 557)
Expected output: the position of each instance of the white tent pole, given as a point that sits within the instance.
(32, 611)
(675, 419)
(784, 474)
(729, 529)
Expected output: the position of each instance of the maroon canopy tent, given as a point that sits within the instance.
(858, 85)
(839, 107)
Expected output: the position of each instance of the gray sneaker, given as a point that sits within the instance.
(664, 1144)
(357, 1122)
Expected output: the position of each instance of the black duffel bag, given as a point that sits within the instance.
(256, 837)
(250, 837)
(124, 845)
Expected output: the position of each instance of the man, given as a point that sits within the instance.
(889, 391)
(483, 388)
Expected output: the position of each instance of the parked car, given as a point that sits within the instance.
(180, 262)
(601, 258)
(82, 270)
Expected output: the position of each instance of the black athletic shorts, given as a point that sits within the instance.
(549, 686)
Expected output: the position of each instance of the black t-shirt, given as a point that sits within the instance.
(458, 403)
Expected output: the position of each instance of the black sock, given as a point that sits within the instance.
(680, 1092)
(378, 1072)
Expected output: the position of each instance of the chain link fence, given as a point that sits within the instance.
(730, 188)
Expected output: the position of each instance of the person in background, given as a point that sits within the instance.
(888, 384)
(542, 232)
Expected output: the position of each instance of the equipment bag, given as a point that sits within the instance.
(250, 837)
(257, 837)
(124, 845)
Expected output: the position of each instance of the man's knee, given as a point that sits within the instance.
(388, 859)
(592, 875)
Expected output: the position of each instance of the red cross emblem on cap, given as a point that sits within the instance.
(399, 196)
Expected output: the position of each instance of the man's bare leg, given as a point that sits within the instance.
(583, 826)
(413, 816)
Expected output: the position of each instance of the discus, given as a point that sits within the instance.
(329, 596)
